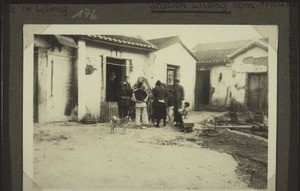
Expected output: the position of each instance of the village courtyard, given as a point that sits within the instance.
(92, 77)
(71, 155)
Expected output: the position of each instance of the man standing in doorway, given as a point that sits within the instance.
(111, 88)
(178, 98)
(124, 95)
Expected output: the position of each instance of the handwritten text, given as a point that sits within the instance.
(87, 14)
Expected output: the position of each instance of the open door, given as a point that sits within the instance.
(258, 92)
(109, 107)
(202, 89)
(118, 68)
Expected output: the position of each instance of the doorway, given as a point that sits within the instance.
(109, 106)
(202, 89)
(117, 67)
(258, 92)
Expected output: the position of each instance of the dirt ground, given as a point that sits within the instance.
(250, 153)
(71, 155)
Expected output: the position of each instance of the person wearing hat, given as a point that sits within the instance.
(160, 95)
(178, 98)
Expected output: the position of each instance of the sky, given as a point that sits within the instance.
(189, 34)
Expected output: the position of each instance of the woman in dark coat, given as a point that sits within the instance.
(160, 95)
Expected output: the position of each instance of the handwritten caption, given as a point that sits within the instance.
(41, 8)
(212, 7)
(86, 13)
(54, 9)
(220, 6)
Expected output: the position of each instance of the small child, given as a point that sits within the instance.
(183, 124)
(186, 109)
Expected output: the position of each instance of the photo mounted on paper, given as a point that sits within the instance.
(150, 106)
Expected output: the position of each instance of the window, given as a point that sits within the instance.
(172, 73)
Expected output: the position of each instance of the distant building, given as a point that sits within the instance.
(174, 60)
(232, 70)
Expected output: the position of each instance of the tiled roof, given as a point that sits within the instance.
(259, 43)
(213, 56)
(219, 53)
(134, 42)
(161, 43)
(220, 45)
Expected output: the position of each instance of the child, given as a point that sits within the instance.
(184, 124)
(186, 109)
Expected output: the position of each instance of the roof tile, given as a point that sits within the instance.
(217, 53)
(123, 40)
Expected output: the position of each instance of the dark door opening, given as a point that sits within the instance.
(258, 92)
(116, 67)
(202, 87)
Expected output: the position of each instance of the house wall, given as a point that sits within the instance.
(42, 82)
(240, 67)
(56, 85)
(96, 82)
(178, 56)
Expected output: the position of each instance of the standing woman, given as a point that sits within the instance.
(159, 105)
(140, 97)
(124, 95)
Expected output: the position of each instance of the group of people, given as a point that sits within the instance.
(168, 100)
(151, 104)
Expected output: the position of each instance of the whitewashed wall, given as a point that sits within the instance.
(178, 56)
(94, 92)
(55, 70)
(43, 87)
(240, 69)
(220, 87)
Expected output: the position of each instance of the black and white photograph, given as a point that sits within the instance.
(150, 107)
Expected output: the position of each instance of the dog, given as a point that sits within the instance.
(117, 122)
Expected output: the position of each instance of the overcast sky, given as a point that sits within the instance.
(189, 34)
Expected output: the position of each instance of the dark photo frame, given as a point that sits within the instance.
(282, 14)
